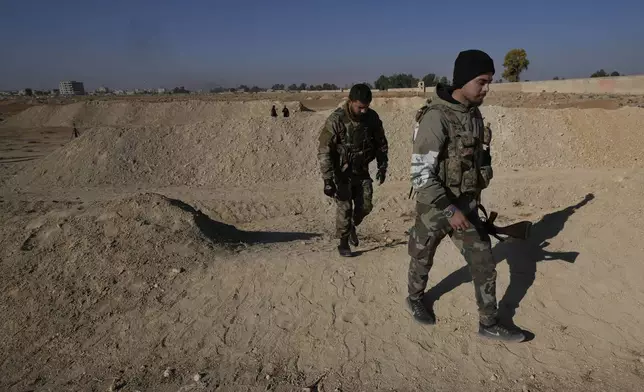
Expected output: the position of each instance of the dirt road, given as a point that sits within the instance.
(162, 245)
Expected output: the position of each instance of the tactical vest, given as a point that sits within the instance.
(356, 143)
(460, 161)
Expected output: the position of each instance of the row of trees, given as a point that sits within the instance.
(514, 63)
(402, 80)
(291, 87)
(602, 74)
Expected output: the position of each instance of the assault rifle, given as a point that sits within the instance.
(520, 230)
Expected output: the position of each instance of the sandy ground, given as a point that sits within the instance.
(187, 246)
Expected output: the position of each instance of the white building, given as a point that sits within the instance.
(72, 87)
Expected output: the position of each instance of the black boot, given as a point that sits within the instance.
(420, 311)
(501, 332)
(353, 237)
(344, 249)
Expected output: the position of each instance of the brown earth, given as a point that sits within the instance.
(192, 238)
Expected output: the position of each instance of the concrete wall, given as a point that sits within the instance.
(324, 91)
(614, 85)
(413, 89)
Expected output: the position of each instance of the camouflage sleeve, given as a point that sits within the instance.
(381, 145)
(429, 141)
(327, 147)
(486, 160)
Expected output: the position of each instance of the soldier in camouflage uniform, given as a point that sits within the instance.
(450, 166)
(352, 137)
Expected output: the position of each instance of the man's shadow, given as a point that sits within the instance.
(522, 257)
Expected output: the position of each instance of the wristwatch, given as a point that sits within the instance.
(449, 211)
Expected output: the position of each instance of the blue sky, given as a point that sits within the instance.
(140, 43)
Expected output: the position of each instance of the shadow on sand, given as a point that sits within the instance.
(522, 258)
(223, 233)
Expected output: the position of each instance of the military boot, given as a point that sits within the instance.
(353, 237)
(420, 311)
(501, 332)
(344, 249)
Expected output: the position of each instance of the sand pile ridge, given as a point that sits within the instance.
(238, 144)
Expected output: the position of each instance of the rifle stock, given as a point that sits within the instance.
(519, 230)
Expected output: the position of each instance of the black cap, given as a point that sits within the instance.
(469, 64)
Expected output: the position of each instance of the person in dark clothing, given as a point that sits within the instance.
(352, 137)
(450, 166)
(285, 111)
(273, 111)
(75, 133)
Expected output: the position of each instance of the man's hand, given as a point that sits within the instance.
(457, 220)
(381, 175)
(329, 188)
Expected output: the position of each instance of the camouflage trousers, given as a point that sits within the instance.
(353, 203)
(429, 230)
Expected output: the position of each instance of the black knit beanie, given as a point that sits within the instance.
(469, 64)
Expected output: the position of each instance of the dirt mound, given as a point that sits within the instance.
(123, 113)
(216, 144)
(81, 258)
(109, 285)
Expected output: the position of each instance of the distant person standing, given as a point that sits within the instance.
(285, 111)
(75, 133)
(273, 111)
(352, 137)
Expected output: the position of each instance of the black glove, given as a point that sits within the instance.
(381, 175)
(487, 157)
(329, 188)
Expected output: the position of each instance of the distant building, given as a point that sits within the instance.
(72, 88)
(161, 91)
(102, 90)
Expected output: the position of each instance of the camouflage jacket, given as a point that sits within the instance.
(347, 146)
(450, 162)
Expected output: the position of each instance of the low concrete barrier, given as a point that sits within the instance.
(633, 85)
(612, 85)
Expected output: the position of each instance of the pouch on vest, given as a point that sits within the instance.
(487, 134)
(467, 144)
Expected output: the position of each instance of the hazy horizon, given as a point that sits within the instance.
(201, 44)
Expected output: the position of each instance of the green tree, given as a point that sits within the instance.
(555, 78)
(614, 73)
(255, 89)
(599, 74)
(382, 83)
(292, 87)
(302, 86)
(443, 80)
(402, 81)
(243, 87)
(399, 80)
(515, 62)
(430, 80)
